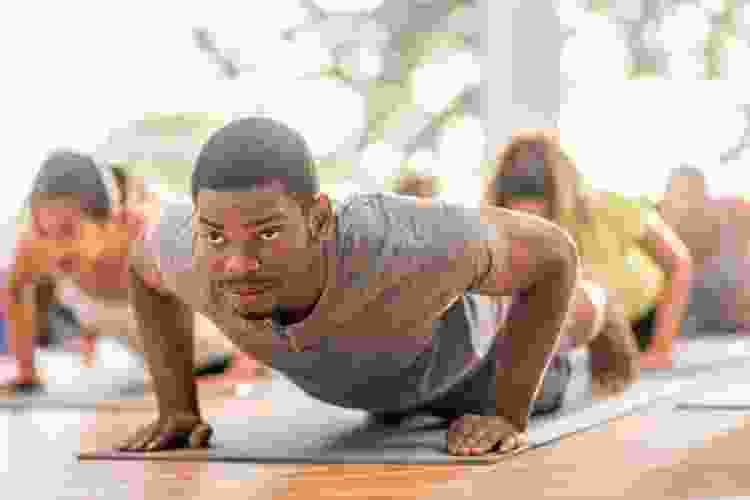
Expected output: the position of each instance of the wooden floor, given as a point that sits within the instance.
(657, 454)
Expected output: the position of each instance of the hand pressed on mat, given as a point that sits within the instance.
(479, 435)
(181, 430)
(657, 359)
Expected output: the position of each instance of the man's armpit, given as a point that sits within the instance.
(525, 247)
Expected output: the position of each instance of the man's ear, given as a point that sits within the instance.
(320, 215)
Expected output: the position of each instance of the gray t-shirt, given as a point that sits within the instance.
(407, 277)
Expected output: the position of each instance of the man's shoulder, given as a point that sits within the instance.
(165, 243)
(391, 220)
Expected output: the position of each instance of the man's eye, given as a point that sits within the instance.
(215, 237)
(269, 234)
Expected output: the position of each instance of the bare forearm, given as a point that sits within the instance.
(166, 329)
(671, 254)
(673, 304)
(43, 297)
(21, 335)
(532, 333)
(23, 320)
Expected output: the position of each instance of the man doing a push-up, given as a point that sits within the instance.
(383, 303)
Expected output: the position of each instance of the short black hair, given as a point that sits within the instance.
(254, 151)
(69, 173)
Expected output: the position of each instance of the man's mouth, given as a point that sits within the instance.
(249, 293)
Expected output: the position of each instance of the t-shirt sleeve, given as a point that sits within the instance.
(432, 235)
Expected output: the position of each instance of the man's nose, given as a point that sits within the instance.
(241, 264)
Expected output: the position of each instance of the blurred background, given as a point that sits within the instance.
(382, 87)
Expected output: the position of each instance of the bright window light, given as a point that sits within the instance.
(327, 113)
(381, 160)
(685, 29)
(461, 151)
(443, 78)
(596, 52)
(348, 6)
(619, 147)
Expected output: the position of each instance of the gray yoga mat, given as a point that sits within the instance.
(728, 390)
(302, 430)
(705, 354)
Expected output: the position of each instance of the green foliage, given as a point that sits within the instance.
(173, 174)
(598, 6)
(636, 71)
(168, 125)
(451, 115)
(23, 218)
(383, 100)
(718, 37)
(171, 127)
(487, 168)
(386, 99)
(331, 171)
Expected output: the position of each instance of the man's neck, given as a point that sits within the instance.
(298, 308)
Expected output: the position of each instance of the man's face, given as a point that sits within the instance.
(686, 192)
(255, 248)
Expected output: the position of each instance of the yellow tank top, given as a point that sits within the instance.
(611, 251)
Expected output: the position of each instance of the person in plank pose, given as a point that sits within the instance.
(383, 303)
(625, 248)
(716, 231)
(419, 185)
(69, 273)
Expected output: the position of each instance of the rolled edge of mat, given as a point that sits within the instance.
(713, 406)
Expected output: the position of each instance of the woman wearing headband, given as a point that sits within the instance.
(627, 250)
(70, 267)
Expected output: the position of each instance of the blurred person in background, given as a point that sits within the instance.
(68, 277)
(419, 185)
(629, 251)
(717, 233)
(616, 369)
(687, 208)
